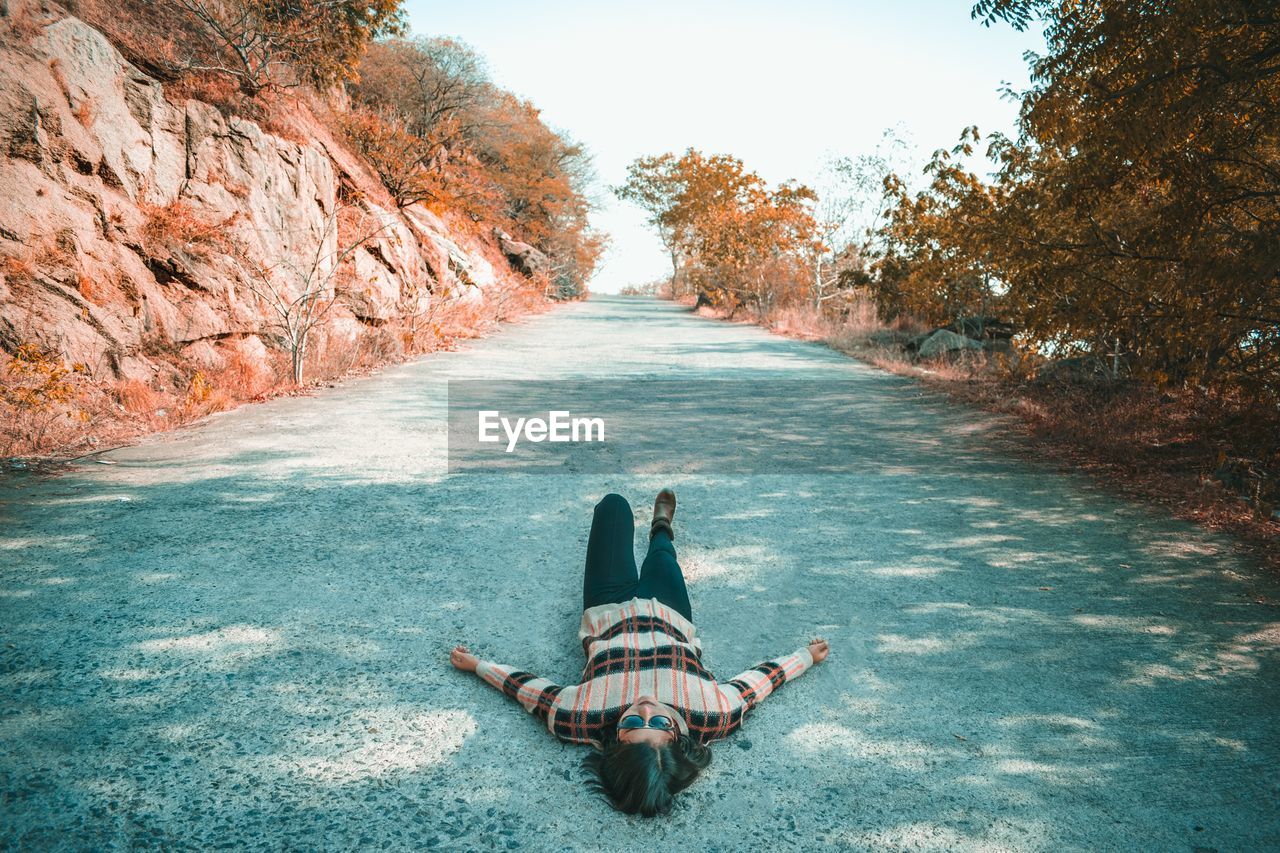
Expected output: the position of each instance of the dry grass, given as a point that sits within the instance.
(32, 432)
(41, 399)
(137, 397)
(1159, 447)
(281, 115)
(448, 321)
(338, 355)
(857, 320)
(439, 328)
(85, 112)
(147, 33)
(512, 297)
(18, 268)
(213, 89)
(89, 290)
(178, 225)
(25, 19)
(243, 378)
(53, 253)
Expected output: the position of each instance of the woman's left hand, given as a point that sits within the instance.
(462, 658)
(819, 648)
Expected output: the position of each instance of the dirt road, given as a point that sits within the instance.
(237, 633)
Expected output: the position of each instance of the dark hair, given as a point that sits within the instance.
(640, 778)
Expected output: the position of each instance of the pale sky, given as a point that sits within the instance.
(779, 85)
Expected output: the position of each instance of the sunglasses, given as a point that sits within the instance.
(635, 721)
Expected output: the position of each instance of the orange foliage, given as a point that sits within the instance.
(730, 236)
(36, 379)
(85, 111)
(218, 91)
(440, 133)
(40, 396)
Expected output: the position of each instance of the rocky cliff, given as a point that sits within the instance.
(134, 225)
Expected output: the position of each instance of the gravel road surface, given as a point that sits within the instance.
(236, 634)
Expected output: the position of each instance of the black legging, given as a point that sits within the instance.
(611, 576)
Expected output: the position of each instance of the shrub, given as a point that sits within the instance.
(177, 225)
(38, 392)
(37, 379)
(137, 397)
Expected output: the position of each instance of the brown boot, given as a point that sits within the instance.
(664, 512)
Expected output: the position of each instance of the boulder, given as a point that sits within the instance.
(249, 347)
(204, 354)
(459, 273)
(366, 305)
(524, 258)
(1085, 369)
(943, 341)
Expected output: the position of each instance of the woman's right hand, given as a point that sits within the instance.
(819, 648)
(462, 658)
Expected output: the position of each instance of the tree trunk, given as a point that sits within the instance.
(297, 357)
(817, 284)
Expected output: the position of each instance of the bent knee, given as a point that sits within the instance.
(613, 502)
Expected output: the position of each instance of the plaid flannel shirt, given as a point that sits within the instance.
(636, 648)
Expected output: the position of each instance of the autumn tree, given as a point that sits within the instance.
(1140, 201)
(440, 133)
(263, 44)
(543, 182)
(402, 160)
(653, 185)
(420, 105)
(934, 248)
(434, 85)
(1138, 205)
(1148, 166)
(751, 246)
(731, 236)
(299, 292)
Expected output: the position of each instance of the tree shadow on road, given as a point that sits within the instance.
(194, 657)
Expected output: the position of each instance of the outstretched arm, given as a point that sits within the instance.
(764, 678)
(534, 693)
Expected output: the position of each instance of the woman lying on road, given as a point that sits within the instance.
(646, 702)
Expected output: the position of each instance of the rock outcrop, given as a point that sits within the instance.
(525, 258)
(132, 225)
